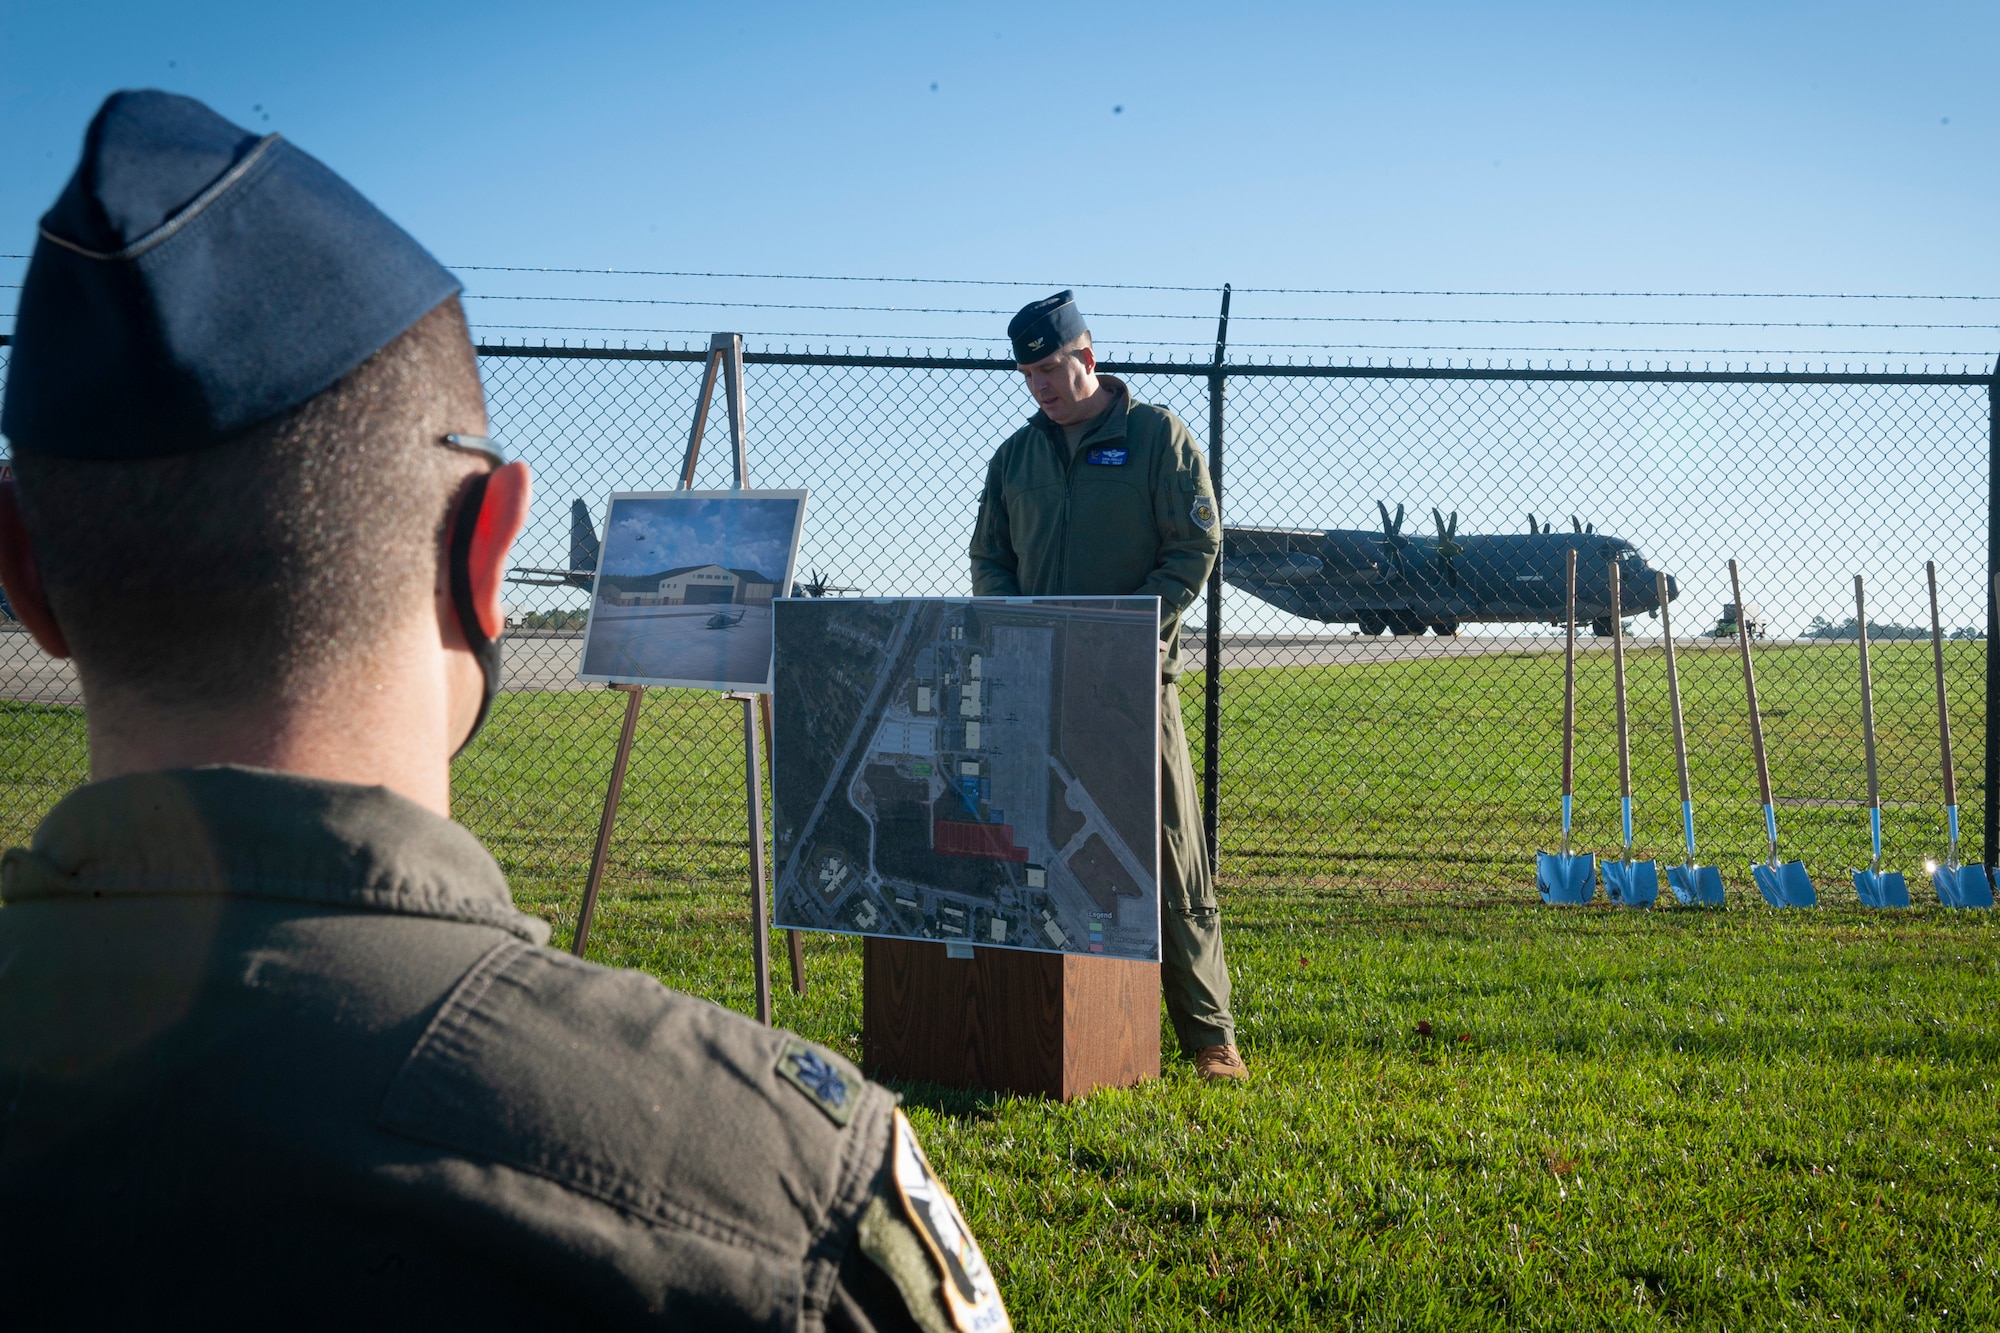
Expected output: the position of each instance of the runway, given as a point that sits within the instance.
(540, 662)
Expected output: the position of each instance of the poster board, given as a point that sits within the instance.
(980, 771)
(684, 587)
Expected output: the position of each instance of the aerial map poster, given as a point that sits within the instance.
(975, 770)
(685, 585)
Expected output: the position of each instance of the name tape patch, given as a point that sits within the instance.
(1106, 457)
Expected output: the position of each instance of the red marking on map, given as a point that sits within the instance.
(993, 842)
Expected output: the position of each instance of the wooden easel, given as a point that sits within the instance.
(725, 356)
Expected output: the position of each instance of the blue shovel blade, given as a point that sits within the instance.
(1881, 888)
(1785, 885)
(1635, 884)
(1566, 880)
(1966, 886)
(1696, 886)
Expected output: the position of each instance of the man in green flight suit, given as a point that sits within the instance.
(1102, 495)
(276, 1049)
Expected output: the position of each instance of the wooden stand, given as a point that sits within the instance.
(725, 359)
(1053, 1025)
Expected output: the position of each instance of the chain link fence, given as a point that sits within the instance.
(1387, 704)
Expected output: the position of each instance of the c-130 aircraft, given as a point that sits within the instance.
(1386, 581)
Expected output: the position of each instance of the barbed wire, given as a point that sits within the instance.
(1241, 318)
(1217, 287)
(1528, 293)
(997, 345)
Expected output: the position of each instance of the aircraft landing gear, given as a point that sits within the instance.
(1601, 627)
(1445, 629)
(1370, 623)
(1403, 624)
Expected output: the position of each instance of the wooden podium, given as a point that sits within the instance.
(1006, 1020)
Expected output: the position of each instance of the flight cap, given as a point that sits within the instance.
(194, 279)
(1044, 325)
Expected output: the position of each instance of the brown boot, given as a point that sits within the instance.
(1220, 1062)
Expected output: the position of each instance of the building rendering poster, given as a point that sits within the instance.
(981, 771)
(685, 584)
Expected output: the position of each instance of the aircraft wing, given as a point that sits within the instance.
(552, 578)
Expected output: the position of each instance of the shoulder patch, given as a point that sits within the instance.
(970, 1294)
(1203, 513)
(807, 1068)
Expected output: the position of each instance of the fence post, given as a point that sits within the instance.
(1991, 841)
(1211, 748)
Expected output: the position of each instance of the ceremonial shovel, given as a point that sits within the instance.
(1782, 884)
(1692, 884)
(1633, 883)
(1873, 886)
(1561, 877)
(1957, 885)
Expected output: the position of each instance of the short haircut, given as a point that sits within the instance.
(260, 569)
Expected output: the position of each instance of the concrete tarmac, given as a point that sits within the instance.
(543, 662)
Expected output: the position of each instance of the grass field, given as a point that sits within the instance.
(1714, 1119)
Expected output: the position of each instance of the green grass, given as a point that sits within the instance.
(1713, 1119)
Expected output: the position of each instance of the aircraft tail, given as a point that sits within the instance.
(582, 540)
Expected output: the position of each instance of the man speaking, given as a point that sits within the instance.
(276, 1050)
(1099, 495)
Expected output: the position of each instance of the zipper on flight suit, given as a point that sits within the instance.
(1060, 442)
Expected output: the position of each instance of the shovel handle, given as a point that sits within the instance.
(1618, 689)
(1867, 707)
(1569, 685)
(1750, 693)
(1944, 710)
(1674, 702)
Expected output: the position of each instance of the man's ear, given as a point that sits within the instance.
(508, 492)
(22, 580)
(1088, 355)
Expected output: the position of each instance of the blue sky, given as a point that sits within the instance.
(1429, 148)
(1763, 147)
(650, 535)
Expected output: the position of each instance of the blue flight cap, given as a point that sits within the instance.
(195, 279)
(1044, 325)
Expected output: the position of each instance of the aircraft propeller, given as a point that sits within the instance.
(1535, 529)
(1449, 548)
(1588, 529)
(1393, 540)
(817, 586)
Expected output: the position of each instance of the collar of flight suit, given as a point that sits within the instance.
(235, 831)
(1110, 423)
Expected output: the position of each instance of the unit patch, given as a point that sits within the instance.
(970, 1294)
(808, 1069)
(1203, 512)
(1106, 457)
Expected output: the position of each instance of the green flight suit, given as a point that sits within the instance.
(1130, 512)
(279, 1052)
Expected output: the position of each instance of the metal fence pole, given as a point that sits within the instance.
(1211, 748)
(1991, 841)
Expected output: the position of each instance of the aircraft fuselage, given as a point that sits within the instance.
(1356, 576)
